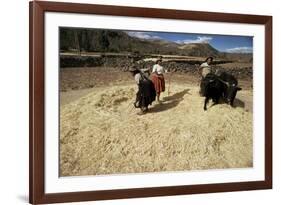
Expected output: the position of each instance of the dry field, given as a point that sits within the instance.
(100, 132)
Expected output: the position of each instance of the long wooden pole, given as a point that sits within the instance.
(169, 83)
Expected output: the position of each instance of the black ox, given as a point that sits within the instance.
(216, 87)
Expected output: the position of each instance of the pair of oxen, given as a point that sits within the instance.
(222, 87)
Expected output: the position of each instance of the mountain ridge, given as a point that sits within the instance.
(100, 40)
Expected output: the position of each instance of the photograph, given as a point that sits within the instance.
(133, 101)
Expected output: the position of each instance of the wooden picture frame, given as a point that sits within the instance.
(37, 11)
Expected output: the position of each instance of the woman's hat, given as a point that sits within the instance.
(210, 57)
(133, 69)
(159, 59)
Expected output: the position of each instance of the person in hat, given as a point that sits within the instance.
(157, 77)
(146, 93)
(205, 70)
(205, 67)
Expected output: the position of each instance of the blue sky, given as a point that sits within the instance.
(225, 43)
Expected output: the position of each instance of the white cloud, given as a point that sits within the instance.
(143, 35)
(240, 50)
(199, 39)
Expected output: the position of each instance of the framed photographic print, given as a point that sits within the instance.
(139, 102)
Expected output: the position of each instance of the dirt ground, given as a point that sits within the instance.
(90, 77)
(100, 132)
